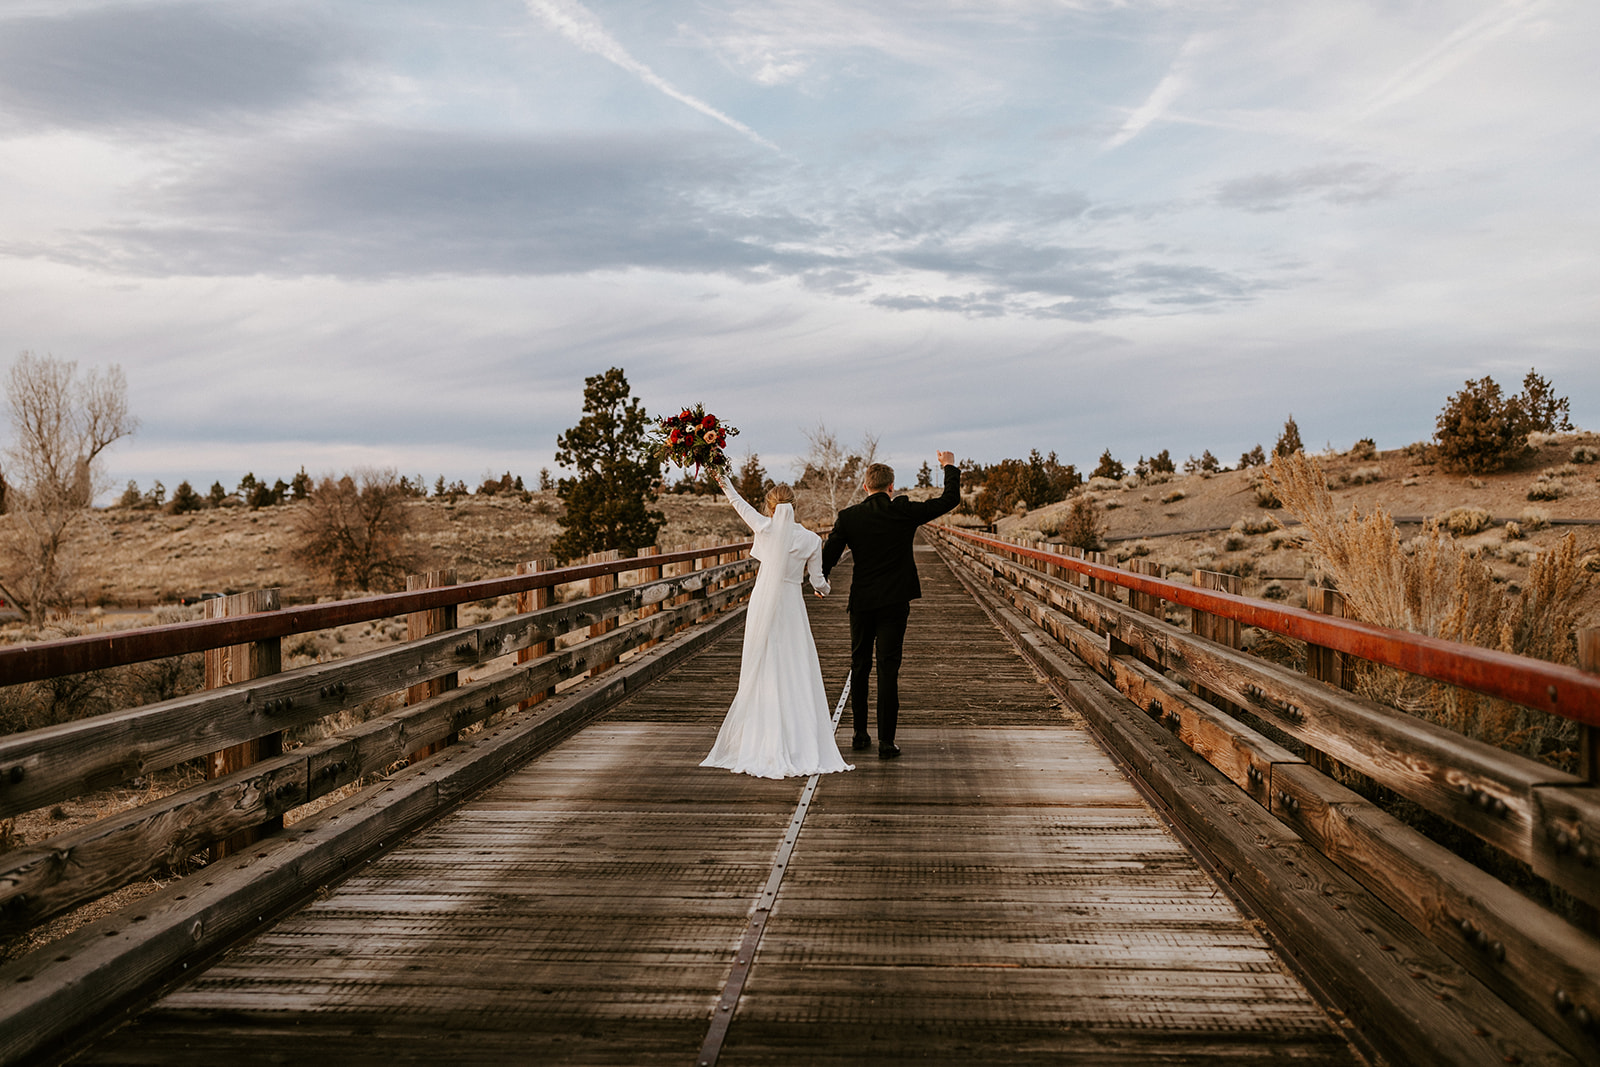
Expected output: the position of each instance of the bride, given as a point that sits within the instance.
(778, 724)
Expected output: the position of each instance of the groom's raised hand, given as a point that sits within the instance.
(947, 459)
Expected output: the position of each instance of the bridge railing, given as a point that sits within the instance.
(251, 704)
(1194, 682)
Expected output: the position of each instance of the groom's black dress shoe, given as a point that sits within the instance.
(860, 741)
(888, 751)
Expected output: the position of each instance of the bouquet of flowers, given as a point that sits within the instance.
(693, 438)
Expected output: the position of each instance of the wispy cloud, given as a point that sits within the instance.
(1450, 53)
(1160, 100)
(580, 26)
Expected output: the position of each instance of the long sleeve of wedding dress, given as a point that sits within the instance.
(779, 724)
(757, 522)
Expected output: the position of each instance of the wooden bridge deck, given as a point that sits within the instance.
(1000, 894)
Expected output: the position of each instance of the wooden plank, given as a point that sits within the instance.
(1407, 996)
(420, 624)
(40, 767)
(240, 663)
(54, 998)
(63, 872)
(1326, 665)
(1533, 959)
(527, 603)
(998, 894)
(1475, 785)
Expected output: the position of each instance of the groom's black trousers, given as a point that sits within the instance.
(885, 629)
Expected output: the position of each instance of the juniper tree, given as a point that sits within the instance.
(607, 502)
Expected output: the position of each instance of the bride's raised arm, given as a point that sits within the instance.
(752, 518)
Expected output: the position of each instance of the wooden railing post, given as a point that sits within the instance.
(599, 585)
(1148, 603)
(420, 624)
(1326, 664)
(533, 600)
(1589, 736)
(646, 575)
(240, 663)
(1216, 628)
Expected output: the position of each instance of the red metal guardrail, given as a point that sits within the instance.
(1550, 687)
(91, 652)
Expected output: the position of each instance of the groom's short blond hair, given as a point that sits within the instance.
(880, 476)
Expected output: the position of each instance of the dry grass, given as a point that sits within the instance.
(1433, 585)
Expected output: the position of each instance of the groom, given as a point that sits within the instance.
(878, 532)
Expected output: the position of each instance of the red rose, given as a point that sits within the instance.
(672, 438)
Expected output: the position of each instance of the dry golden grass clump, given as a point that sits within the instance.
(1433, 585)
(1463, 521)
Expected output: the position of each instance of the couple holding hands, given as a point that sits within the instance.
(779, 725)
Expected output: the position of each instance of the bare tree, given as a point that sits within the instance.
(61, 424)
(355, 529)
(829, 476)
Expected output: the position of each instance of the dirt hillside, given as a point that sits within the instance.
(1198, 521)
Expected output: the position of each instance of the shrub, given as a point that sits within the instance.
(1366, 475)
(1535, 518)
(1366, 448)
(1173, 497)
(1274, 590)
(1083, 524)
(1513, 531)
(1256, 457)
(1267, 496)
(1463, 521)
(1480, 430)
(1258, 524)
(1547, 489)
(1584, 454)
(1234, 542)
(1434, 586)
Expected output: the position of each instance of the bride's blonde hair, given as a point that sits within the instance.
(779, 494)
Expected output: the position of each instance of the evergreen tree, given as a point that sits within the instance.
(184, 498)
(1256, 457)
(1289, 440)
(616, 477)
(217, 494)
(925, 476)
(1209, 463)
(1109, 467)
(752, 482)
(546, 482)
(1162, 464)
(300, 484)
(131, 497)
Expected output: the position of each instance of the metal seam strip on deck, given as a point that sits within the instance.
(745, 958)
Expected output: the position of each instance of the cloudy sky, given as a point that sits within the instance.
(403, 232)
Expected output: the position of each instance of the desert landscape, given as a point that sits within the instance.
(137, 566)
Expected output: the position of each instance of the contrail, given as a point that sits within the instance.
(1450, 53)
(580, 26)
(1160, 99)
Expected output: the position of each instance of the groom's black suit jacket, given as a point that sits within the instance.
(879, 532)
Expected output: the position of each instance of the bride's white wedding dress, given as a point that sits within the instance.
(778, 725)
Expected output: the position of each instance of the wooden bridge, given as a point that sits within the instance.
(1087, 854)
